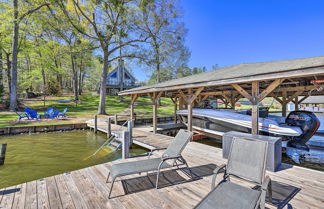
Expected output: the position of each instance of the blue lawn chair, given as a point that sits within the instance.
(23, 115)
(32, 114)
(49, 112)
(62, 114)
(55, 114)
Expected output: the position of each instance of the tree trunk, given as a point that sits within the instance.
(29, 71)
(102, 102)
(58, 76)
(44, 86)
(80, 76)
(1, 75)
(75, 78)
(8, 72)
(14, 63)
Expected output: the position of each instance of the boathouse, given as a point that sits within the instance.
(120, 79)
(285, 80)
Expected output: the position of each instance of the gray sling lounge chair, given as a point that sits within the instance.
(170, 158)
(246, 162)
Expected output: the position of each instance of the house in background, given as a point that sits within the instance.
(120, 79)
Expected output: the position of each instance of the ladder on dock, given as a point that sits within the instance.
(114, 142)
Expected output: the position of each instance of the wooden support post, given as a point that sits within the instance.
(255, 107)
(181, 103)
(116, 119)
(155, 117)
(132, 114)
(109, 127)
(190, 117)
(296, 104)
(284, 103)
(155, 101)
(130, 130)
(125, 145)
(3, 153)
(175, 102)
(95, 123)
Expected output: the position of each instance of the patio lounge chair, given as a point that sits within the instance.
(55, 114)
(49, 112)
(170, 158)
(246, 162)
(62, 114)
(32, 114)
(21, 116)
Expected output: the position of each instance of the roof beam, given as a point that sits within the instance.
(242, 91)
(269, 89)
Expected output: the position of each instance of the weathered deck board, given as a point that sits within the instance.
(86, 188)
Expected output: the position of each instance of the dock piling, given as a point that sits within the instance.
(109, 128)
(125, 146)
(116, 122)
(130, 129)
(95, 123)
(3, 153)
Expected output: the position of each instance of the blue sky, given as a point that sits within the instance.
(228, 32)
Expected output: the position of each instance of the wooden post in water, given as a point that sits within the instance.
(130, 130)
(109, 128)
(95, 123)
(125, 146)
(3, 153)
(116, 117)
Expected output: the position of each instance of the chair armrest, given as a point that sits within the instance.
(266, 187)
(216, 172)
(153, 150)
(171, 158)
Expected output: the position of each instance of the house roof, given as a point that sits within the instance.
(240, 73)
(125, 70)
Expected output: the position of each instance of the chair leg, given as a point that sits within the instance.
(108, 177)
(111, 188)
(270, 191)
(157, 179)
(185, 162)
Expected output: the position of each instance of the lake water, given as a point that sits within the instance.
(35, 156)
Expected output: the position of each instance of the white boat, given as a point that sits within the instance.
(297, 128)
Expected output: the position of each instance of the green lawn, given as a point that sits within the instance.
(87, 107)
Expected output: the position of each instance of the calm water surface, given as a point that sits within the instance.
(35, 156)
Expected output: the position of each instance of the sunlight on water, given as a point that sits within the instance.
(35, 156)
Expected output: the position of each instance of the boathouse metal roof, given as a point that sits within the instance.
(261, 71)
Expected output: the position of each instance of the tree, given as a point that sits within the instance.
(105, 22)
(18, 18)
(166, 50)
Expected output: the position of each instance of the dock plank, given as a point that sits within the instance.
(66, 199)
(53, 193)
(20, 197)
(42, 196)
(77, 198)
(8, 197)
(31, 195)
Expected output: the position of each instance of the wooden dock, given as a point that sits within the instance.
(294, 187)
(140, 137)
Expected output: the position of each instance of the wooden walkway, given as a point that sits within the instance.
(86, 188)
(142, 138)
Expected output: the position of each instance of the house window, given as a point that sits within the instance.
(127, 76)
(114, 75)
